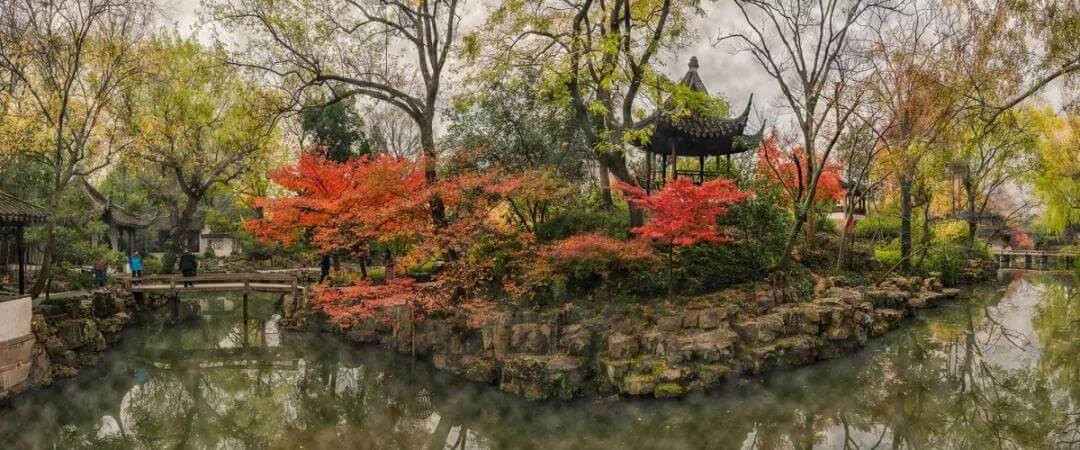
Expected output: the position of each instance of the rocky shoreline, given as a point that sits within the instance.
(71, 334)
(692, 346)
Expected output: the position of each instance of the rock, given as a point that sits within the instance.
(821, 285)
(669, 323)
(761, 329)
(501, 334)
(543, 377)
(638, 385)
(89, 359)
(709, 346)
(65, 372)
(68, 358)
(529, 338)
(669, 390)
(76, 333)
(714, 317)
(887, 298)
(576, 340)
(711, 373)
(764, 300)
(621, 346)
(691, 318)
(886, 319)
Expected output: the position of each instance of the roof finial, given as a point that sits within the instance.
(693, 63)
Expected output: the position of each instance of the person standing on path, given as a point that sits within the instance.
(189, 266)
(324, 266)
(135, 261)
(100, 274)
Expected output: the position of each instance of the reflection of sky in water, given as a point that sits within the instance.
(286, 389)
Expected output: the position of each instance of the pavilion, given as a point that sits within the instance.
(694, 135)
(15, 216)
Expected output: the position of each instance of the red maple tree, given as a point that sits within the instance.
(382, 199)
(683, 214)
(787, 164)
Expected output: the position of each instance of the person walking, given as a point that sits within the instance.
(189, 266)
(100, 273)
(324, 266)
(135, 261)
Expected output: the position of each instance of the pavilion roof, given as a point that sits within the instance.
(17, 212)
(698, 134)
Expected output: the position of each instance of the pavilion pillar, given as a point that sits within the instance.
(648, 172)
(20, 249)
(701, 168)
(674, 163)
(663, 168)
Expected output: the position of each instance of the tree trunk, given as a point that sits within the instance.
(845, 232)
(905, 222)
(178, 236)
(45, 271)
(427, 142)
(604, 177)
(46, 259)
(616, 165)
(793, 236)
(972, 221)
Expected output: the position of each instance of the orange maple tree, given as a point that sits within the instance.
(344, 206)
(787, 164)
(348, 206)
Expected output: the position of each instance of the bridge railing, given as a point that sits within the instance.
(175, 282)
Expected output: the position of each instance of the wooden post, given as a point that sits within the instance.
(1027, 261)
(244, 324)
(20, 248)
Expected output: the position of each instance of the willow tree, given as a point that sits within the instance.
(384, 50)
(201, 124)
(598, 57)
(64, 65)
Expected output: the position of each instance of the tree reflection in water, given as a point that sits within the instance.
(999, 371)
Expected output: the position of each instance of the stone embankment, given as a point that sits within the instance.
(70, 334)
(693, 346)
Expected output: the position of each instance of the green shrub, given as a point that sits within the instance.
(571, 222)
(878, 227)
(946, 258)
(152, 265)
(759, 226)
(951, 231)
(888, 257)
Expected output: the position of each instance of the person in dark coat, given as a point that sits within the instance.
(189, 266)
(324, 265)
(101, 274)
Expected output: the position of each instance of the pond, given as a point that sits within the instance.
(999, 370)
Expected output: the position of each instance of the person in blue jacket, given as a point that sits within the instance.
(135, 261)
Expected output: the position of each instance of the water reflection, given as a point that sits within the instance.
(1002, 370)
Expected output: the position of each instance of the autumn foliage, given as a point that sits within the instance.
(682, 214)
(786, 164)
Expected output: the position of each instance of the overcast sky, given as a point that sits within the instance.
(734, 76)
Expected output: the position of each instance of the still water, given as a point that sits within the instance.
(1001, 370)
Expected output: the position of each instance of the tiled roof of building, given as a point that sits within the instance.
(17, 212)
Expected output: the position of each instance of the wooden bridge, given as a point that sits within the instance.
(245, 283)
(224, 282)
(1034, 259)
